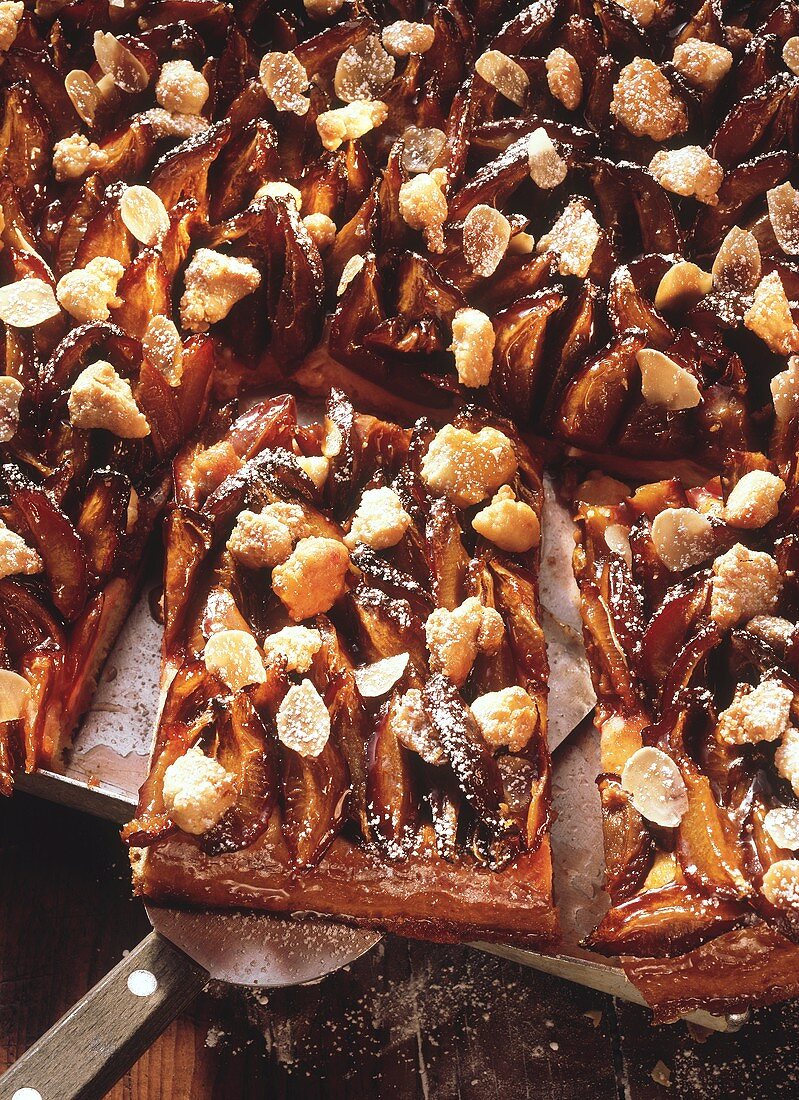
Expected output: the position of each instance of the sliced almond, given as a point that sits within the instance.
(14, 692)
(285, 81)
(162, 345)
(486, 235)
(143, 214)
(666, 383)
(782, 825)
(11, 390)
(233, 656)
(785, 390)
(781, 884)
(737, 264)
(421, 148)
(783, 212)
(617, 540)
(83, 93)
(28, 303)
(683, 538)
(378, 679)
(118, 62)
(683, 285)
(303, 721)
(790, 54)
(656, 787)
(352, 267)
(754, 499)
(546, 166)
(504, 74)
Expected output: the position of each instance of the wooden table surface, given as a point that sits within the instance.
(409, 1020)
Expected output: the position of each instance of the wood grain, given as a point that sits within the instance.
(407, 1022)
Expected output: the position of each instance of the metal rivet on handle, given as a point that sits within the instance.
(141, 983)
(27, 1094)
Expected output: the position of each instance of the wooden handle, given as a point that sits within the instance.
(87, 1051)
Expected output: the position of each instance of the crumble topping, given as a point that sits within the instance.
(703, 64)
(14, 695)
(181, 89)
(296, 645)
(321, 229)
(777, 632)
(363, 71)
(415, 730)
(467, 466)
(642, 10)
(322, 9)
(682, 538)
(380, 520)
(783, 212)
(313, 577)
(473, 340)
(505, 75)
(507, 718)
(573, 238)
(11, 12)
(423, 205)
(350, 123)
(745, 583)
(454, 638)
(165, 124)
(754, 500)
(486, 234)
(89, 293)
(689, 171)
(100, 398)
(769, 316)
(758, 714)
(281, 189)
(197, 791)
(782, 825)
(11, 390)
(316, 467)
(737, 264)
(655, 786)
(233, 656)
(143, 214)
(214, 284)
(547, 167)
(644, 103)
(666, 383)
(265, 539)
(15, 554)
(509, 523)
(403, 37)
(781, 884)
(27, 303)
(162, 345)
(683, 285)
(377, 680)
(303, 721)
(786, 758)
(564, 79)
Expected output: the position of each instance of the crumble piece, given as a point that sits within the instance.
(402, 37)
(214, 284)
(321, 229)
(564, 79)
(467, 466)
(89, 293)
(573, 238)
(473, 340)
(507, 718)
(297, 645)
(786, 758)
(322, 9)
(509, 523)
(313, 577)
(486, 235)
(745, 583)
(645, 104)
(783, 212)
(644, 11)
(280, 189)
(181, 89)
(682, 537)
(11, 390)
(703, 64)
(11, 12)
(233, 656)
(781, 884)
(772, 629)
(380, 520)
(350, 123)
(423, 206)
(547, 167)
(754, 500)
(666, 383)
(689, 171)
(655, 786)
(15, 554)
(285, 81)
(197, 791)
(74, 156)
(165, 124)
(265, 539)
(363, 71)
(303, 720)
(505, 75)
(769, 316)
(100, 398)
(454, 638)
(757, 714)
(415, 730)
